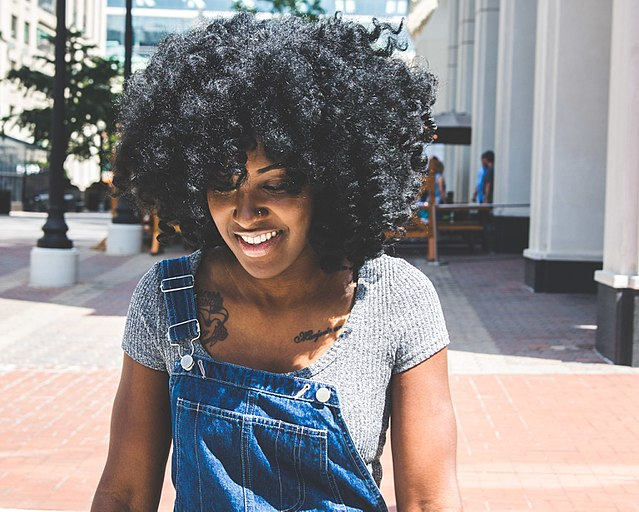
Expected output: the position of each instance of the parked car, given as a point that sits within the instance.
(72, 201)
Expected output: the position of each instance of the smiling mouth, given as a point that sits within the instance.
(258, 239)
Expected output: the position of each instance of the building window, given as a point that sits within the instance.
(47, 5)
(27, 32)
(43, 41)
(347, 6)
(14, 27)
(391, 6)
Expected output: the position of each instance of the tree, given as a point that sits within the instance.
(308, 9)
(91, 100)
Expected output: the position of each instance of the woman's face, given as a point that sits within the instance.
(265, 226)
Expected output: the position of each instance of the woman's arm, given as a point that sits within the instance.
(139, 444)
(424, 438)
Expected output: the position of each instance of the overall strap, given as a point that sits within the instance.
(179, 298)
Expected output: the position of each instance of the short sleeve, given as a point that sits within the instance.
(140, 340)
(421, 325)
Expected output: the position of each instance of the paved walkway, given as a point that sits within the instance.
(544, 422)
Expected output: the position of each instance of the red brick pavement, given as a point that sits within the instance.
(543, 432)
(526, 442)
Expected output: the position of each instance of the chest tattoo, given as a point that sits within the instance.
(213, 315)
(315, 335)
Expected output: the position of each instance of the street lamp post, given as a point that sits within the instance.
(125, 231)
(54, 261)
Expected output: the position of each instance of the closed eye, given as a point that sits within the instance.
(222, 191)
(281, 188)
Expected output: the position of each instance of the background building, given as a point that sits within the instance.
(24, 25)
(154, 19)
(551, 86)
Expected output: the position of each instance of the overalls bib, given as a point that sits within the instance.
(252, 440)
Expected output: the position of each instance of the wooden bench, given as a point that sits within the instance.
(463, 219)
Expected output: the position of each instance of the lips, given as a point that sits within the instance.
(256, 244)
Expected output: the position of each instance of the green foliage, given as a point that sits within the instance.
(90, 94)
(307, 9)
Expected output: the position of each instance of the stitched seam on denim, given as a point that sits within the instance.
(297, 463)
(247, 429)
(301, 480)
(245, 463)
(197, 459)
(333, 484)
(331, 481)
(279, 472)
(360, 465)
(281, 395)
(178, 449)
(260, 420)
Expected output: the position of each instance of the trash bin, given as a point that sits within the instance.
(5, 202)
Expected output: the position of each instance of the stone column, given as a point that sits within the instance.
(459, 176)
(453, 48)
(451, 79)
(513, 122)
(618, 282)
(569, 145)
(484, 82)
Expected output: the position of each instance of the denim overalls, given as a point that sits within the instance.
(251, 440)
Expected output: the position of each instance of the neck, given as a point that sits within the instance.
(293, 288)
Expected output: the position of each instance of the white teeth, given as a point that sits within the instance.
(255, 240)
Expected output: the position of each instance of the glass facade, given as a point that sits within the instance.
(357, 7)
(48, 5)
(189, 5)
(27, 33)
(154, 19)
(43, 43)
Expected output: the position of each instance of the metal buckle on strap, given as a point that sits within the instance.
(166, 290)
(197, 328)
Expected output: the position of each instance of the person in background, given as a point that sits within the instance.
(436, 169)
(437, 166)
(485, 179)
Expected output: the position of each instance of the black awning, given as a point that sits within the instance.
(452, 128)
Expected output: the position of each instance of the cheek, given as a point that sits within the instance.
(302, 214)
(218, 212)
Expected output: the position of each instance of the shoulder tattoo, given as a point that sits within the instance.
(213, 315)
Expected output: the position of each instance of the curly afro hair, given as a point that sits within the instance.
(328, 98)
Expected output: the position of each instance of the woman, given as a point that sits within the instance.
(275, 355)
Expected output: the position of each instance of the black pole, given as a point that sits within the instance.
(128, 39)
(55, 228)
(123, 212)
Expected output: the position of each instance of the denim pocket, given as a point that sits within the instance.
(245, 462)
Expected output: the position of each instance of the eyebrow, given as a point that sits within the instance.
(277, 165)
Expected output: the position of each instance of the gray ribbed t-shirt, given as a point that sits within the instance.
(396, 323)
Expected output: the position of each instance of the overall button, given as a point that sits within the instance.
(323, 395)
(187, 362)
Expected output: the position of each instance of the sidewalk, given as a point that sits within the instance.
(544, 422)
